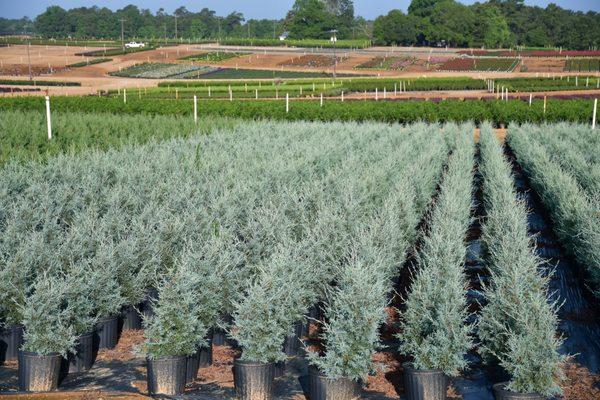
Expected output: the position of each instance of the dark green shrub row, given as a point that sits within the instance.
(90, 62)
(37, 83)
(548, 84)
(499, 112)
(295, 43)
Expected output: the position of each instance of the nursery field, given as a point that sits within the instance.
(480, 64)
(583, 65)
(213, 56)
(309, 256)
(387, 63)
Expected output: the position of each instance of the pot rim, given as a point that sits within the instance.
(501, 386)
(166, 358)
(250, 363)
(408, 366)
(105, 319)
(34, 354)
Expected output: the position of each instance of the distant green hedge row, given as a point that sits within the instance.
(499, 112)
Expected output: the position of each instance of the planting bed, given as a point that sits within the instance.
(214, 56)
(388, 63)
(312, 61)
(163, 71)
(583, 65)
(480, 64)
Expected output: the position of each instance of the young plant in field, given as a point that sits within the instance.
(518, 324)
(79, 282)
(46, 317)
(435, 333)
(174, 329)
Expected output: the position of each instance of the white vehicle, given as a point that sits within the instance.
(135, 45)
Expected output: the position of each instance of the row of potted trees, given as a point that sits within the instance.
(518, 324)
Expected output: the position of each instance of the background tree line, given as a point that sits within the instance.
(495, 23)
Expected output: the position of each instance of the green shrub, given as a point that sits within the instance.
(45, 318)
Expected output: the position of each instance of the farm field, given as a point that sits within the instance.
(583, 65)
(332, 230)
(214, 56)
(481, 64)
(387, 63)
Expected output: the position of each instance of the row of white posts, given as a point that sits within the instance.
(287, 108)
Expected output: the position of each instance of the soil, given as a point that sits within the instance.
(220, 373)
(125, 349)
(580, 384)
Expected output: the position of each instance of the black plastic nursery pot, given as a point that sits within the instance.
(292, 344)
(167, 375)
(321, 387)
(500, 393)
(146, 306)
(83, 357)
(107, 330)
(424, 384)
(132, 318)
(253, 380)
(11, 339)
(192, 366)
(205, 355)
(38, 373)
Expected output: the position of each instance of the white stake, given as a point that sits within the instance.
(256, 93)
(287, 103)
(342, 96)
(48, 118)
(230, 95)
(530, 99)
(321, 99)
(124, 96)
(594, 114)
(195, 109)
(376, 94)
(544, 105)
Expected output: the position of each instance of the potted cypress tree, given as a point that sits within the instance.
(14, 283)
(108, 301)
(261, 322)
(81, 318)
(172, 334)
(48, 336)
(355, 310)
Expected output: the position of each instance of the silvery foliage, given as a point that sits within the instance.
(575, 217)
(175, 328)
(46, 316)
(518, 325)
(79, 283)
(378, 241)
(434, 329)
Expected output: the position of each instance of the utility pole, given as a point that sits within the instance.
(122, 20)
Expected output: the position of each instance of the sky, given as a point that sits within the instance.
(272, 9)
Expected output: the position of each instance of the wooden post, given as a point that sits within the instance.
(48, 118)
(544, 105)
(594, 114)
(195, 109)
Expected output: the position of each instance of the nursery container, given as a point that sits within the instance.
(166, 375)
(38, 373)
(11, 340)
(500, 393)
(205, 355)
(192, 366)
(424, 384)
(107, 330)
(132, 318)
(321, 387)
(253, 380)
(83, 357)
(146, 306)
(292, 343)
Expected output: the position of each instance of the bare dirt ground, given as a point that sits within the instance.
(94, 78)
